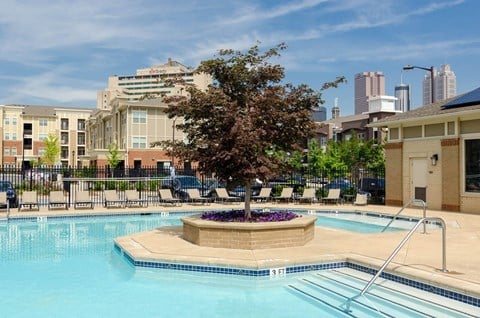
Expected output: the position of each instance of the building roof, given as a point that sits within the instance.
(461, 103)
(470, 98)
(41, 110)
(344, 119)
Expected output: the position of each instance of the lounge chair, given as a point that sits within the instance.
(332, 197)
(194, 197)
(264, 195)
(224, 197)
(82, 198)
(308, 195)
(286, 195)
(361, 199)
(133, 198)
(29, 198)
(112, 199)
(3, 200)
(57, 199)
(165, 197)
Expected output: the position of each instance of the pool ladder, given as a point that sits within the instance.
(404, 207)
(347, 304)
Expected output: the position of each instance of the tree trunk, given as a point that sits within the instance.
(248, 213)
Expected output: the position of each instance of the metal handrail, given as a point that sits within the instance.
(404, 207)
(397, 249)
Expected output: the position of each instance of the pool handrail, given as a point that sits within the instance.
(397, 249)
(403, 208)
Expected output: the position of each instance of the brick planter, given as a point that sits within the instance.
(249, 236)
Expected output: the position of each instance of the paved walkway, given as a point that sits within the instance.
(421, 257)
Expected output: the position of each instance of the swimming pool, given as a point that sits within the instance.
(67, 267)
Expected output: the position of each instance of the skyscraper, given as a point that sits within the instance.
(445, 85)
(367, 84)
(402, 93)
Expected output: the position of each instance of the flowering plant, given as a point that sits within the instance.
(239, 216)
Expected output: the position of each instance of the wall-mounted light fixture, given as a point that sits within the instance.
(434, 159)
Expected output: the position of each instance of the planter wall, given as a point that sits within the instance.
(250, 236)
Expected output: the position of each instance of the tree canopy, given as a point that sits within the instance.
(52, 150)
(235, 128)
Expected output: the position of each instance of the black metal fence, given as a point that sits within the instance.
(147, 180)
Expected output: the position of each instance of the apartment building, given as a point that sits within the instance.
(24, 127)
(133, 126)
(131, 114)
(151, 82)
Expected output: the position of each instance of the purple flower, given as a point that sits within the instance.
(239, 216)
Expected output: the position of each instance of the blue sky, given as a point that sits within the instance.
(62, 52)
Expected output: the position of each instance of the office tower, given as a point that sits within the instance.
(335, 110)
(445, 85)
(402, 93)
(367, 84)
(319, 114)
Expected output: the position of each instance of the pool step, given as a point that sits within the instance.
(333, 288)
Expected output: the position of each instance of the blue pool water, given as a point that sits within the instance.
(69, 268)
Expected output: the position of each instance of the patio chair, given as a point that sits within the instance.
(361, 199)
(165, 197)
(286, 195)
(134, 198)
(224, 197)
(29, 198)
(3, 200)
(57, 199)
(194, 197)
(112, 199)
(308, 195)
(264, 195)
(332, 197)
(82, 199)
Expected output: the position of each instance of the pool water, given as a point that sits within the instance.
(68, 268)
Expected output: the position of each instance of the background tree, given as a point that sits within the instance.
(52, 150)
(113, 156)
(234, 128)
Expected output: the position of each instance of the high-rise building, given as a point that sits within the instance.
(402, 93)
(151, 82)
(445, 85)
(335, 109)
(367, 84)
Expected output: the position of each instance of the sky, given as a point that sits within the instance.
(60, 53)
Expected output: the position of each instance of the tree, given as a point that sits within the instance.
(113, 157)
(52, 150)
(247, 115)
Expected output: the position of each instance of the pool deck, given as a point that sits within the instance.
(419, 259)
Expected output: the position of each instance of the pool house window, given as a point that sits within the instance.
(472, 165)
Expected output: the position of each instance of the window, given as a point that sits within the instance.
(6, 121)
(41, 151)
(81, 138)
(6, 151)
(14, 120)
(64, 153)
(472, 165)
(81, 151)
(42, 136)
(139, 142)
(43, 122)
(13, 151)
(81, 124)
(139, 117)
(64, 138)
(64, 124)
(7, 136)
(14, 136)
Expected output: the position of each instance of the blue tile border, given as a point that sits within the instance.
(299, 269)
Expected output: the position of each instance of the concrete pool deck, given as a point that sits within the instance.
(420, 258)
